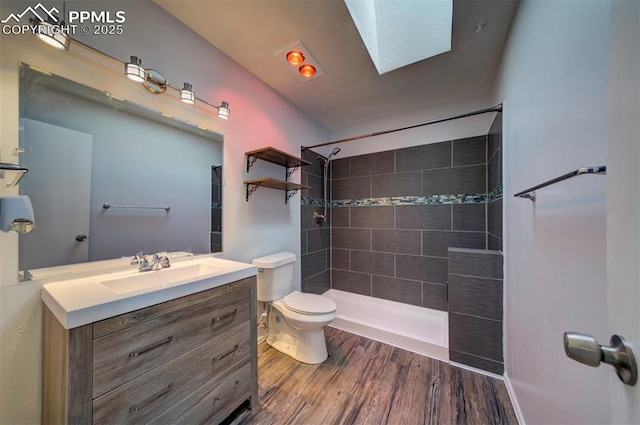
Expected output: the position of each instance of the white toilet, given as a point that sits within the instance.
(295, 319)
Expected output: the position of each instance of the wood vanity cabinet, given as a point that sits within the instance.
(191, 360)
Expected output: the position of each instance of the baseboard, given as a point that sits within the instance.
(514, 400)
(476, 370)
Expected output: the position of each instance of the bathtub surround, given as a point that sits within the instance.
(475, 308)
(394, 217)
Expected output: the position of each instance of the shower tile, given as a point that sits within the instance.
(435, 155)
(458, 180)
(377, 217)
(476, 336)
(357, 283)
(426, 269)
(340, 216)
(351, 238)
(397, 241)
(340, 259)
(475, 296)
(340, 168)
(477, 362)
(434, 296)
(436, 243)
(314, 263)
(479, 263)
(358, 187)
(318, 284)
(399, 184)
(495, 242)
(495, 135)
(317, 167)
(372, 262)
(371, 164)
(400, 290)
(317, 187)
(495, 170)
(494, 216)
(340, 189)
(470, 151)
(318, 239)
(303, 242)
(469, 217)
(432, 217)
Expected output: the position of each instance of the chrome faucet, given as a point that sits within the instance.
(145, 265)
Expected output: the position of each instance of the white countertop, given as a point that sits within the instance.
(79, 301)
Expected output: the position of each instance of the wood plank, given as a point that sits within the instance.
(277, 156)
(276, 183)
(367, 382)
(123, 321)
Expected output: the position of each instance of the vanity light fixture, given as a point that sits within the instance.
(12, 173)
(223, 111)
(134, 70)
(151, 79)
(52, 33)
(307, 70)
(187, 95)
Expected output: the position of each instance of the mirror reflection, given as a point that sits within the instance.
(109, 178)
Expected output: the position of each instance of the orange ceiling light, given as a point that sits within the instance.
(307, 70)
(295, 57)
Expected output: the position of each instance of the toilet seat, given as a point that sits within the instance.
(311, 304)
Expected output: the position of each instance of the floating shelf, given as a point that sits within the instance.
(290, 188)
(275, 156)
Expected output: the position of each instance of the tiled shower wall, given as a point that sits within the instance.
(494, 205)
(395, 214)
(216, 208)
(315, 238)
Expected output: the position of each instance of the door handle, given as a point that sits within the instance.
(585, 349)
(81, 237)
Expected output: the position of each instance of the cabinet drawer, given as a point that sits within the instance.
(124, 355)
(211, 403)
(144, 398)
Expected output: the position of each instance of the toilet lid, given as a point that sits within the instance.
(309, 303)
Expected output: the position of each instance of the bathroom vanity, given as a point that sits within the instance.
(184, 351)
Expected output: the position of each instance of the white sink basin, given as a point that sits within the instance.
(83, 300)
(159, 278)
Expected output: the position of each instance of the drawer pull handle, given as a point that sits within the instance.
(135, 354)
(228, 353)
(224, 316)
(137, 407)
(220, 397)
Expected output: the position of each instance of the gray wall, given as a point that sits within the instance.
(395, 213)
(137, 161)
(314, 237)
(475, 308)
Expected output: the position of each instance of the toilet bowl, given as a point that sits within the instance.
(295, 320)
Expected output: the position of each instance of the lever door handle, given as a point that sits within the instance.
(585, 349)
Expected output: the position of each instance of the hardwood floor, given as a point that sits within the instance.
(368, 382)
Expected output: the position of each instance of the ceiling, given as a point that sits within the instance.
(253, 32)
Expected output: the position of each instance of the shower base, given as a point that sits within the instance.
(421, 330)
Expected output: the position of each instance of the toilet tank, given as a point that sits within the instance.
(275, 275)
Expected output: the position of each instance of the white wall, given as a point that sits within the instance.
(450, 130)
(259, 117)
(553, 81)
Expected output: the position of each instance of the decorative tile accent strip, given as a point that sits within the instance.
(477, 198)
(495, 194)
(312, 202)
(216, 205)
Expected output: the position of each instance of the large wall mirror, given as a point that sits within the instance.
(108, 178)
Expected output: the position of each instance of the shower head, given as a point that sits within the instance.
(333, 152)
